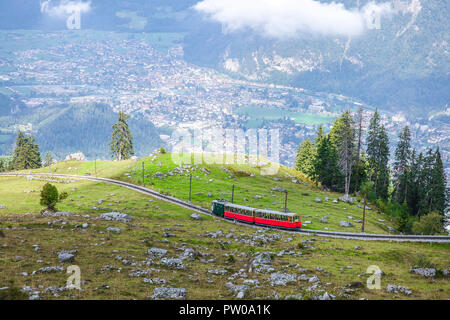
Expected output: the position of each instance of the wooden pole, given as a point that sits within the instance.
(285, 202)
(232, 194)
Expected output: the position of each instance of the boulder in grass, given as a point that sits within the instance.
(424, 272)
(345, 224)
(281, 279)
(115, 216)
(169, 293)
(66, 257)
(347, 199)
(157, 252)
(2, 206)
(114, 230)
(391, 288)
(196, 216)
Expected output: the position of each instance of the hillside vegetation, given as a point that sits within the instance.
(211, 182)
(203, 256)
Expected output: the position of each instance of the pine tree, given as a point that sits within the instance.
(437, 185)
(378, 156)
(305, 156)
(360, 119)
(366, 189)
(122, 141)
(426, 200)
(26, 154)
(412, 196)
(402, 165)
(48, 159)
(320, 136)
(359, 174)
(343, 136)
(326, 168)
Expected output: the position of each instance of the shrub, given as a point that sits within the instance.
(403, 219)
(429, 224)
(421, 261)
(162, 151)
(50, 196)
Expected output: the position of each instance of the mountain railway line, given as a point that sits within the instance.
(190, 206)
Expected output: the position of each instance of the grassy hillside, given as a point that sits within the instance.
(106, 259)
(255, 191)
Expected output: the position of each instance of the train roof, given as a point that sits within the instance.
(289, 214)
(238, 206)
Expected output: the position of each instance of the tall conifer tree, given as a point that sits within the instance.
(122, 141)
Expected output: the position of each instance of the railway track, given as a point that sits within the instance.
(190, 206)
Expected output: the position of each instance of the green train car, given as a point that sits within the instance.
(218, 207)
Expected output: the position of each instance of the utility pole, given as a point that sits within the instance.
(285, 201)
(190, 187)
(143, 174)
(232, 194)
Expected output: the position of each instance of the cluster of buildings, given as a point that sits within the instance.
(131, 75)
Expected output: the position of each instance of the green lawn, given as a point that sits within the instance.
(301, 196)
(257, 113)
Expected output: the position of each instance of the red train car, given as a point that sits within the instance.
(256, 216)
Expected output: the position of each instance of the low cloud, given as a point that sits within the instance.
(63, 8)
(290, 18)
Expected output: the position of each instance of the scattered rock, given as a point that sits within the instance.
(345, 224)
(50, 269)
(155, 281)
(279, 189)
(55, 214)
(173, 263)
(318, 200)
(196, 216)
(115, 216)
(398, 289)
(281, 279)
(347, 199)
(157, 253)
(169, 293)
(114, 230)
(66, 256)
(238, 290)
(261, 259)
(425, 272)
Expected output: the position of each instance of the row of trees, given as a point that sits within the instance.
(26, 153)
(339, 162)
